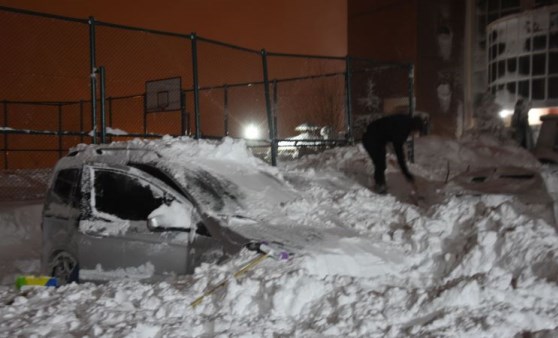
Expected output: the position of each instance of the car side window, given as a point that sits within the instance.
(64, 184)
(124, 196)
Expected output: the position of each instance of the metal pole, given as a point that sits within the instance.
(5, 135)
(110, 113)
(226, 109)
(270, 120)
(411, 84)
(348, 88)
(60, 153)
(183, 114)
(193, 37)
(103, 113)
(93, 78)
(275, 100)
(81, 120)
(144, 115)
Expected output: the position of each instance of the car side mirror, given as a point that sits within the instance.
(159, 223)
(155, 223)
(176, 216)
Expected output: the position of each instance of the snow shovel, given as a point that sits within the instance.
(264, 249)
(253, 262)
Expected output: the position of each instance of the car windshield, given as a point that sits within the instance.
(227, 188)
(208, 192)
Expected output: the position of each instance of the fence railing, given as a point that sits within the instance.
(65, 81)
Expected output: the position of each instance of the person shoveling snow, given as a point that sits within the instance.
(394, 129)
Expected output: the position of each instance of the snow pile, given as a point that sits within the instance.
(365, 265)
(439, 156)
(19, 224)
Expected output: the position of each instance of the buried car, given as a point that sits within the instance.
(123, 211)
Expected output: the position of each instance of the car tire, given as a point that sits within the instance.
(65, 267)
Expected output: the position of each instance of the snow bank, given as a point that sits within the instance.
(441, 157)
(19, 224)
(365, 265)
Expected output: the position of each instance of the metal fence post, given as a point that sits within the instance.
(60, 153)
(274, 106)
(226, 108)
(110, 113)
(411, 84)
(144, 115)
(93, 78)
(348, 97)
(184, 120)
(5, 135)
(270, 120)
(103, 113)
(81, 121)
(193, 37)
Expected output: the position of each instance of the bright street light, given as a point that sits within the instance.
(251, 132)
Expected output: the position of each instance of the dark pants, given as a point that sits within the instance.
(377, 152)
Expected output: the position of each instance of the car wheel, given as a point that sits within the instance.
(64, 267)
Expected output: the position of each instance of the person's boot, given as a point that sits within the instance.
(380, 189)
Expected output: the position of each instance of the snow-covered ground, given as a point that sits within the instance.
(472, 255)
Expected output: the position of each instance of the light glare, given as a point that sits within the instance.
(251, 132)
(505, 113)
(535, 115)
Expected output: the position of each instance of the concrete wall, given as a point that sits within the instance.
(439, 84)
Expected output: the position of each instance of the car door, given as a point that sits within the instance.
(115, 238)
(60, 216)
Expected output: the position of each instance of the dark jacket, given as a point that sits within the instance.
(393, 129)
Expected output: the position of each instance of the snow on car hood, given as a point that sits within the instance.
(223, 177)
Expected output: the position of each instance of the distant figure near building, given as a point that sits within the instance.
(521, 131)
(393, 129)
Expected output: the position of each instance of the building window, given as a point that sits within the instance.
(524, 65)
(553, 43)
(553, 88)
(538, 89)
(501, 68)
(523, 89)
(510, 86)
(512, 65)
(553, 63)
(524, 54)
(539, 64)
(491, 10)
(539, 42)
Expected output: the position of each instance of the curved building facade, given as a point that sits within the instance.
(522, 57)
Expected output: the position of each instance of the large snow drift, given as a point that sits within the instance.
(452, 264)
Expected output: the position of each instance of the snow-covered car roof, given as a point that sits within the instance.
(222, 177)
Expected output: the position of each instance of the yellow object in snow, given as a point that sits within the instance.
(22, 281)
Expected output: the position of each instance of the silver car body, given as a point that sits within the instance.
(96, 218)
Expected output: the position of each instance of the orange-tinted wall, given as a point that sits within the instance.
(383, 30)
(289, 26)
(48, 60)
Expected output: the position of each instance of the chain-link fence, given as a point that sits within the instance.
(65, 81)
